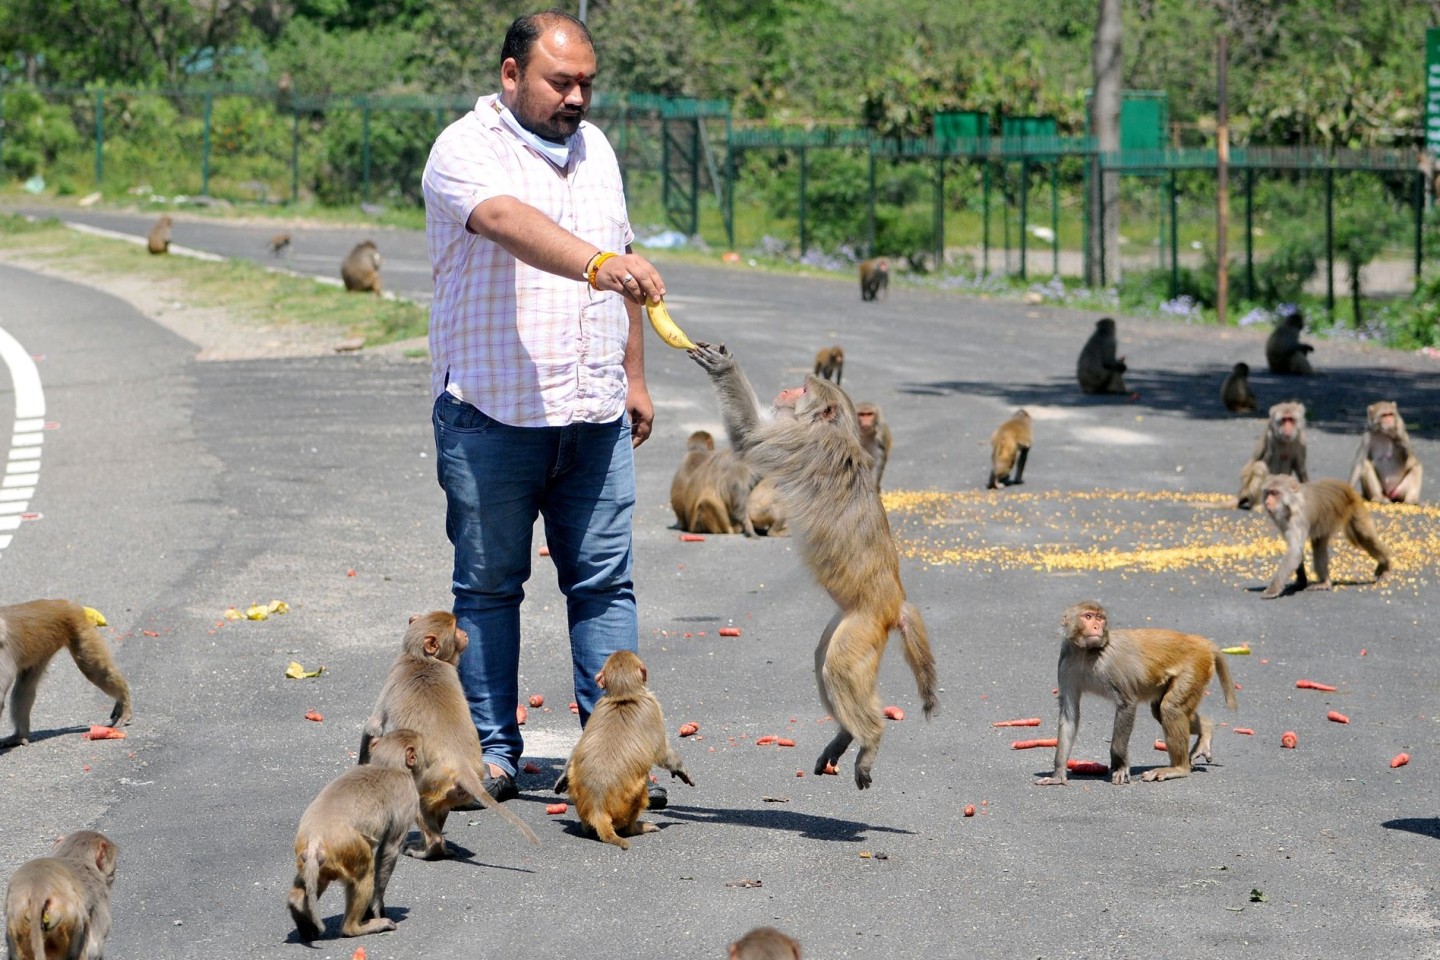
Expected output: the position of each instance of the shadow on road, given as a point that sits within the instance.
(1425, 826)
(769, 818)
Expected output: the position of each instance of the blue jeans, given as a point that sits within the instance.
(497, 479)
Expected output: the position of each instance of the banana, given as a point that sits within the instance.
(669, 332)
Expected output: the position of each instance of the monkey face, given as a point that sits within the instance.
(867, 419)
(1086, 626)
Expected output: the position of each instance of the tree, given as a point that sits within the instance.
(1102, 253)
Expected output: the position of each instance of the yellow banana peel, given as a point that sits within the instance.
(96, 617)
(666, 328)
(297, 672)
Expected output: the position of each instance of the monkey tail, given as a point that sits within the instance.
(1222, 670)
(41, 910)
(918, 655)
(314, 860)
(478, 791)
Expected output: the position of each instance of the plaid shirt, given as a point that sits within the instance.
(528, 348)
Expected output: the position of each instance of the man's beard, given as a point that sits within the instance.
(557, 127)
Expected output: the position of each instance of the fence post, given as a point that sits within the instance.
(295, 156)
(1249, 233)
(1055, 216)
(804, 176)
(695, 177)
(205, 149)
(1419, 224)
(1330, 241)
(939, 217)
(1024, 213)
(729, 208)
(870, 209)
(1174, 238)
(99, 136)
(365, 152)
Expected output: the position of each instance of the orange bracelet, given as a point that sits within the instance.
(599, 262)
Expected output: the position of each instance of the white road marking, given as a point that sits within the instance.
(22, 467)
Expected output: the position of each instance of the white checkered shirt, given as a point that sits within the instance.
(527, 347)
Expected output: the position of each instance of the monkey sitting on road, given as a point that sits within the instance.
(279, 243)
(1168, 668)
(1283, 350)
(830, 363)
(1280, 449)
(1009, 447)
(608, 775)
(874, 278)
(875, 436)
(33, 632)
(59, 906)
(1235, 391)
(1386, 468)
(1314, 513)
(159, 239)
(352, 833)
(711, 489)
(361, 268)
(810, 447)
(1098, 369)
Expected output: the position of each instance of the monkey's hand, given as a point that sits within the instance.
(714, 358)
(680, 772)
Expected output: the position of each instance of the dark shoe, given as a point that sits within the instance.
(501, 787)
(659, 799)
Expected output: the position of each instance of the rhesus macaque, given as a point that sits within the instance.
(608, 775)
(765, 943)
(874, 278)
(1009, 447)
(1235, 391)
(361, 268)
(1280, 449)
(710, 491)
(159, 239)
(1316, 512)
(1386, 468)
(1168, 668)
(1283, 350)
(33, 632)
(278, 243)
(1098, 369)
(423, 693)
(59, 906)
(766, 512)
(874, 436)
(830, 363)
(811, 448)
(352, 833)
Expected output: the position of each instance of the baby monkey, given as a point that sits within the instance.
(1166, 667)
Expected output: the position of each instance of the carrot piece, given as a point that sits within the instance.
(574, 707)
(1399, 760)
(762, 741)
(531, 767)
(537, 700)
(1086, 766)
(1312, 685)
(784, 742)
(556, 808)
(313, 715)
(969, 809)
(1028, 722)
(691, 537)
(893, 713)
(1246, 731)
(521, 714)
(1337, 716)
(729, 631)
(689, 729)
(1031, 744)
(544, 550)
(830, 770)
(101, 732)
(1288, 740)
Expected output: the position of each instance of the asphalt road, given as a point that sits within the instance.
(171, 489)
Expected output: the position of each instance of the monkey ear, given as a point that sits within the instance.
(413, 618)
(432, 644)
(829, 413)
(102, 852)
(600, 679)
(644, 674)
(410, 756)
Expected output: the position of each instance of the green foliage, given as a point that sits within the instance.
(35, 133)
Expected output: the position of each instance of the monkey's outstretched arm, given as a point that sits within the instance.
(1294, 557)
(738, 403)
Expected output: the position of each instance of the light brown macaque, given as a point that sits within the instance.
(811, 448)
(710, 491)
(1386, 468)
(59, 906)
(874, 278)
(352, 833)
(608, 775)
(159, 239)
(33, 632)
(361, 268)
(1316, 512)
(1168, 668)
(875, 436)
(423, 693)
(1098, 369)
(1283, 350)
(830, 363)
(766, 512)
(765, 943)
(1280, 449)
(278, 243)
(1235, 392)
(1009, 449)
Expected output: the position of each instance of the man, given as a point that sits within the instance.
(537, 369)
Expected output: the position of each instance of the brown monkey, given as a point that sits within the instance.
(830, 360)
(361, 268)
(608, 775)
(811, 449)
(874, 436)
(765, 943)
(423, 693)
(278, 243)
(766, 512)
(33, 632)
(59, 906)
(352, 833)
(1235, 391)
(1283, 350)
(1280, 449)
(1166, 667)
(1009, 447)
(874, 278)
(1386, 468)
(159, 239)
(1316, 512)
(710, 492)
(1098, 369)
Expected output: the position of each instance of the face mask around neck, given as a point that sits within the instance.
(557, 153)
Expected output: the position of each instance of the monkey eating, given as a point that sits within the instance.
(59, 906)
(159, 239)
(1316, 512)
(1168, 668)
(361, 268)
(874, 278)
(1235, 392)
(1386, 468)
(1284, 352)
(608, 774)
(1098, 369)
(810, 447)
(830, 363)
(1280, 449)
(1009, 447)
(423, 693)
(874, 436)
(33, 632)
(352, 832)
